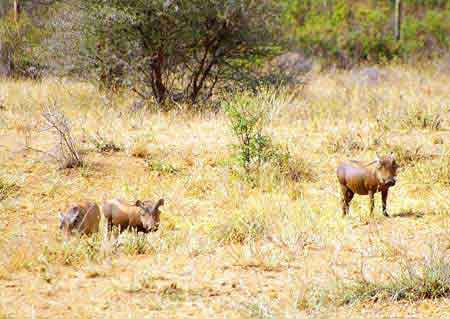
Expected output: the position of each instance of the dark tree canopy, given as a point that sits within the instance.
(178, 47)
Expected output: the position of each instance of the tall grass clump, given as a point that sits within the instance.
(7, 187)
(437, 171)
(418, 118)
(430, 280)
(74, 252)
(241, 226)
(135, 243)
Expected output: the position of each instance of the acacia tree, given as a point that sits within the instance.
(179, 47)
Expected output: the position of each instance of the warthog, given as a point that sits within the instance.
(367, 179)
(140, 216)
(83, 218)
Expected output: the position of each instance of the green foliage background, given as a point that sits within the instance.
(361, 30)
(341, 32)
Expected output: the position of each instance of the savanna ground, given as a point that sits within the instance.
(276, 247)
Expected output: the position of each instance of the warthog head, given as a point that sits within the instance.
(69, 221)
(150, 214)
(386, 170)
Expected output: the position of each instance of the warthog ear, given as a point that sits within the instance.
(159, 203)
(74, 216)
(138, 203)
(141, 206)
(392, 156)
(377, 156)
(377, 160)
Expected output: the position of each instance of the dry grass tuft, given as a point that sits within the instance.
(8, 187)
(347, 142)
(430, 280)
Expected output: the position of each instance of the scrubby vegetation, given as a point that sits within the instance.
(238, 119)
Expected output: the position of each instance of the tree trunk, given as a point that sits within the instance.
(398, 19)
(159, 89)
(16, 9)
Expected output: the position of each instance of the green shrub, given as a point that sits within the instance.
(161, 167)
(247, 115)
(20, 44)
(247, 118)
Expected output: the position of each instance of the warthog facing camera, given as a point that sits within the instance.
(142, 216)
(367, 179)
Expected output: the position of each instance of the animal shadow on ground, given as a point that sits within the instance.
(408, 213)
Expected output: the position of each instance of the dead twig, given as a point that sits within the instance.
(68, 154)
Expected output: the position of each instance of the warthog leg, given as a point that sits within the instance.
(384, 195)
(347, 196)
(371, 203)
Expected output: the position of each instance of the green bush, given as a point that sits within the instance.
(20, 45)
(247, 118)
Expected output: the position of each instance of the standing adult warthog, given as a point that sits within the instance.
(142, 216)
(83, 218)
(367, 179)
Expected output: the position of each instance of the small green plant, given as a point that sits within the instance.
(259, 310)
(161, 167)
(104, 145)
(247, 116)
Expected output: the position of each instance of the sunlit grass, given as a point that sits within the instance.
(235, 246)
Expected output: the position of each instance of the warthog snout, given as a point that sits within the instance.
(390, 182)
(150, 214)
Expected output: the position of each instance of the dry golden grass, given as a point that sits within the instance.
(226, 248)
